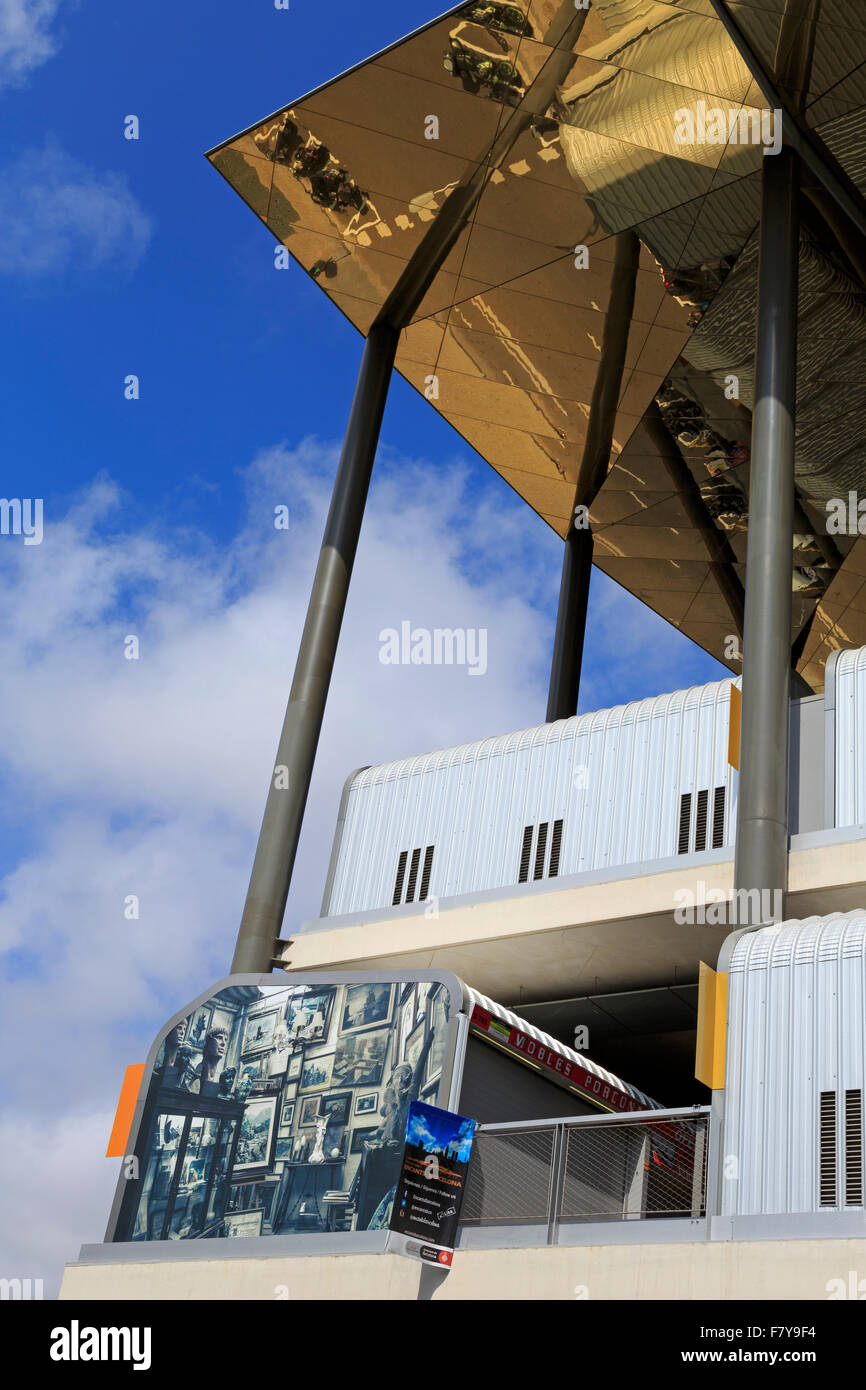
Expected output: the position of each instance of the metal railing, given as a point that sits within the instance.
(635, 1167)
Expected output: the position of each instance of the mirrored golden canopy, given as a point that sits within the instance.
(507, 344)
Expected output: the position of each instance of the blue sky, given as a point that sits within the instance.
(200, 317)
(437, 1129)
(148, 777)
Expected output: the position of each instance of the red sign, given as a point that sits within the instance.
(571, 1073)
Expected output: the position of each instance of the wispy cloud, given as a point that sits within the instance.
(56, 214)
(27, 38)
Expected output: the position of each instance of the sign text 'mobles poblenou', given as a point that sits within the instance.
(545, 1058)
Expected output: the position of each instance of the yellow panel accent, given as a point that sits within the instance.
(734, 727)
(712, 1027)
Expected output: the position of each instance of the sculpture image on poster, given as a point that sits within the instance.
(282, 1108)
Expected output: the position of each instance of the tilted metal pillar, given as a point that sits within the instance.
(257, 942)
(570, 625)
(567, 658)
(762, 814)
(287, 796)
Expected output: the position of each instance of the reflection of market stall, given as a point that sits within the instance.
(276, 1109)
(484, 61)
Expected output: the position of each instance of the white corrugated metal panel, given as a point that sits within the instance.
(796, 1000)
(514, 1021)
(849, 678)
(614, 778)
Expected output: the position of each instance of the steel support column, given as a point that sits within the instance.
(570, 625)
(762, 813)
(287, 796)
(568, 641)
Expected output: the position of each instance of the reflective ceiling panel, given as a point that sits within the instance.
(633, 117)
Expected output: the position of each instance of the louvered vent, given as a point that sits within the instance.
(525, 854)
(685, 823)
(541, 846)
(425, 873)
(401, 874)
(545, 860)
(701, 823)
(555, 844)
(854, 1148)
(827, 1149)
(413, 875)
(414, 863)
(719, 818)
(715, 834)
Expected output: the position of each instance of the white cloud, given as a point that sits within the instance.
(56, 214)
(148, 777)
(26, 38)
(55, 1186)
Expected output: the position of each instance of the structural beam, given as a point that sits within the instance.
(570, 625)
(762, 813)
(595, 460)
(567, 660)
(290, 782)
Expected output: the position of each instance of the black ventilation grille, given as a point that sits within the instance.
(685, 823)
(719, 818)
(853, 1148)
(701, 823)
(413, 875)
(525, 854)
(703, 831)
(398, 882)
(548, 847)
(827, 1149)
(425, 873)
(540, 847)
(414, 863)
(555, 844)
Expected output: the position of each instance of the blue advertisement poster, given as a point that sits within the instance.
(430, 1188)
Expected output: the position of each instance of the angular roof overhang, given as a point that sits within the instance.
(592, 175)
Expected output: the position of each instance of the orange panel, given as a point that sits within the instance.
(125, 1108)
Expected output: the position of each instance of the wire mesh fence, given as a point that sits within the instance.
(634, 1171)
(607, 1169)
(509, 1177)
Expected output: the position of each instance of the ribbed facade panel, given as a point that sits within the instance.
(796, 998)
(849, 697)
(615, 779)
